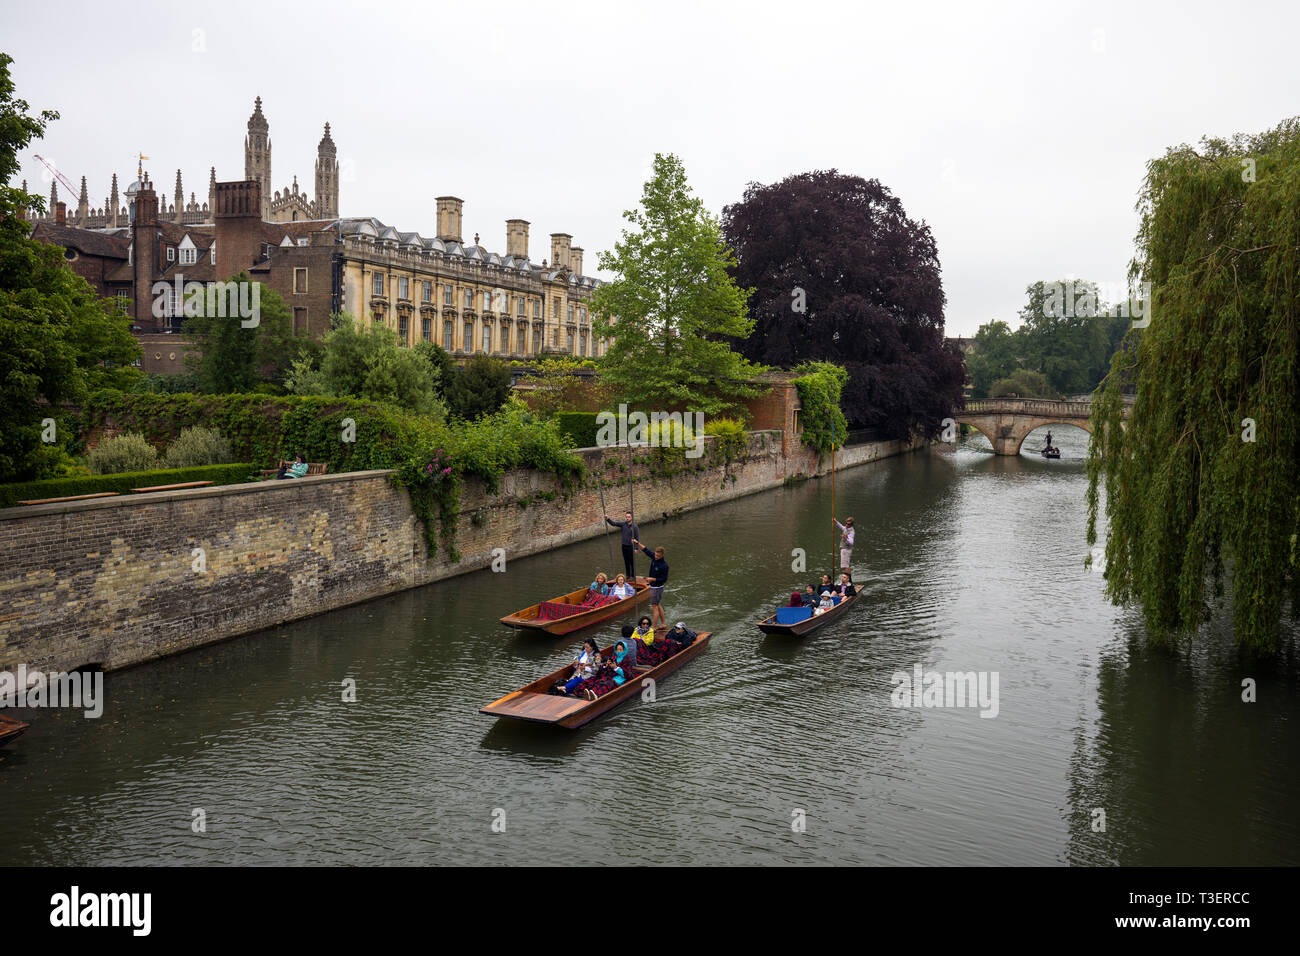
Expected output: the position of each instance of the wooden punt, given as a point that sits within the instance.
(528, 619)
(808, 625)
(533, 702)
(10, 729)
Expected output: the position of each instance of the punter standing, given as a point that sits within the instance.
(658, 578)
(846, 542)
(630, 532)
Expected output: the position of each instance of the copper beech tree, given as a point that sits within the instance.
(841, 274)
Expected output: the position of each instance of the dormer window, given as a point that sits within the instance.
(212, 252)
(189, 257)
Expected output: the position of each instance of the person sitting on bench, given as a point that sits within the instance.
(296, 469)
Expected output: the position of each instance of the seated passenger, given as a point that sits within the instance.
(614, 674)
(809, 597)
(796, 600)
(827, 602)
(846, 586)
(585, 667)
(826, 585)
(679, 637)
(649, 651)
(600, 585)
(620, 588)
(626, 632)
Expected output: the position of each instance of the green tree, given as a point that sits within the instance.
(441, 360)
(1022, 383)
(480, 388)
(58, 339)
(368, 363)
(992, 358)
(1203, 485)
(234, 353)
(671, 301)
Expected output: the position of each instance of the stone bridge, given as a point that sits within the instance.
(1006, 421)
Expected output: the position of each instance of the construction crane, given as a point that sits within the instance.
(74, 192)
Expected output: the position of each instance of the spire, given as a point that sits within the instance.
(179, 192)
(212, 180)
(84, 198)
(113, 191)
(258, 121)
(54, 196)
(326, 142)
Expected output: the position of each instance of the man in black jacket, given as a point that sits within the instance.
(658, 578)
(630, 533)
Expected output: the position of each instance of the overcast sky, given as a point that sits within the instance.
(1018, 131)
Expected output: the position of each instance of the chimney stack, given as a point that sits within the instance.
(238, 226)
(575, 258)
(517, 237)
(450, 210)
(144, 239)
(61, 214)
(560, 250)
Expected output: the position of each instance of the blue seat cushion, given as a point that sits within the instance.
(792, 615)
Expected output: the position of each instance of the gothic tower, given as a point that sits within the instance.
(257, 155)
(327, 178)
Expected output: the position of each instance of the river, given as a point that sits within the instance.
(1103, 750)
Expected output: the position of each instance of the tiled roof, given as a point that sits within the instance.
(85, 241)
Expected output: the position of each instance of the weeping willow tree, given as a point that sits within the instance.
(1202, 483)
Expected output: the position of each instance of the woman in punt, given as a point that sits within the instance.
(649, 649)
(600, 585)
(620, 588)
(615, 673)
(585, 667)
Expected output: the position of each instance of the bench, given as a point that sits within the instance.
(313, 468)
(50, 501)
(183, 484)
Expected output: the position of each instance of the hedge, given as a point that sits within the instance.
(122, 483)
(580, 426)
(429, 456)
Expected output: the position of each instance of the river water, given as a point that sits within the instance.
(763, 750)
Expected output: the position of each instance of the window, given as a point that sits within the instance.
(189, 257)
(378, 286)
(426, 328)
(487, 301)
(448, 335)
(582, 314)
(299, 321)
(582, 342)
(537, 308)
(570, 313)
(555, 307)
(555, 336)
(123, 301)
(469, 298)
(403, 330)
(537, 341)
(468, 341)
(426, 294)
(304, 241)
(487, 337)
(570, 343)
(522, 340)
(299, 281)
(130, 254)
(212, 251)
(171, 253)
(403, 288)
(446, 295)
(519, 301)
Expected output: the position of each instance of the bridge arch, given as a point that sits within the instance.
(1005, 422)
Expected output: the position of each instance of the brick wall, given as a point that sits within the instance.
(113, 582)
